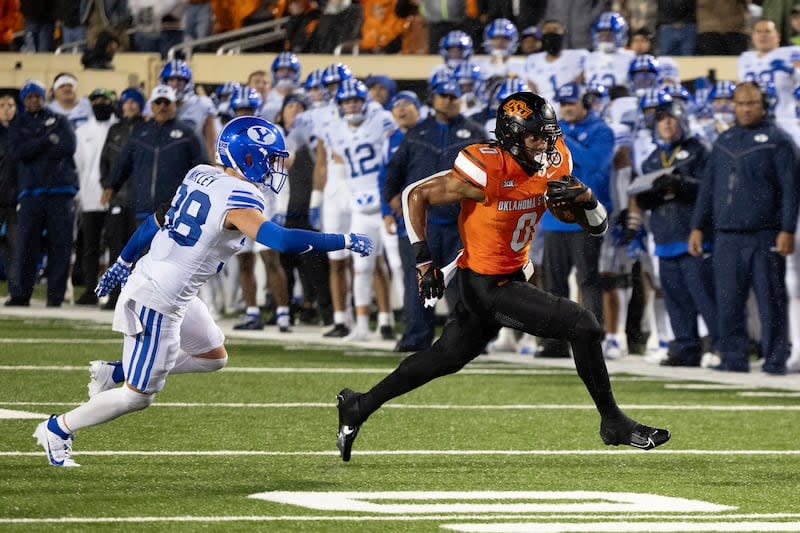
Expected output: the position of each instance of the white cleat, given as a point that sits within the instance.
(612, 350)
(793, 364)
(527, 345)
(101, 377)
(358, 335)
(711, 360)
(656, 355)
(59, 451)
(504, 342)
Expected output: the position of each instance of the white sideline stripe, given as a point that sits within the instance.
(754, 394)
(372, 518)
(50, 340)
(380, 518)
(444, 453)
(702, 386)
(316, 370)
(621, 527)
(445, 407)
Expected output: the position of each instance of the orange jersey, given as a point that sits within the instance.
(498, 232)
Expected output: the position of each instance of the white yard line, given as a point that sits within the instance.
(377, 518)
(432, 453)
(445, 407)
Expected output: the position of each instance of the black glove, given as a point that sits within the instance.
(666, 183)
(561, 193)
(430, 284)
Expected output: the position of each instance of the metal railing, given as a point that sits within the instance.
(234, 47)
(189, 46)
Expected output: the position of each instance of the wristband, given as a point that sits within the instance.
(348, 241)
(422, 253)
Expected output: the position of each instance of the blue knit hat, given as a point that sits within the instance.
(132, 93)
(31, 87)
(408, 96)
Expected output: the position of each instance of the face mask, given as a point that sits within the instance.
(552, 43)
(102, 112)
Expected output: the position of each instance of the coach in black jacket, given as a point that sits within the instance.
(44, 145)
(429, 147)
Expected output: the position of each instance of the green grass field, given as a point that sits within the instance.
(498, 447)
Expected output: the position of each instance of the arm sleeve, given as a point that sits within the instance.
(139, 240)
(297, 241)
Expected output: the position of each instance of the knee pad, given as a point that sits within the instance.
(588, 328)
(211, 365)
(136, 401)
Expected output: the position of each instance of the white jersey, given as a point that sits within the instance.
(194, 110)
(643, 146)
(193, 245)
(78, 115)
(272, 105)
(361, 149)
(547, 76)
(620, 177)
(607, 69)
(309, 125)
(492, 66)
(752, 67)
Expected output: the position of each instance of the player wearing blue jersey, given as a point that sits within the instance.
(167, 329)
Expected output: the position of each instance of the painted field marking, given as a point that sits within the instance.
(355, 518)
(703, 386)
(315, 370)
(623, 527)
(431, 453)
(7, 414)
(51, 340)
(754, 394)
(419, 502)
(444, 407)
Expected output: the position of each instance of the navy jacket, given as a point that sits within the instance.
(43, 145)
(8, 170)
(751, 181)
(156, 158)
(591, 142)
(428, 148)
(672, 205)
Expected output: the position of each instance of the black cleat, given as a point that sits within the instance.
(251, 322)
(633, 434)
(346, 403)
(387, 333)
(339, 330)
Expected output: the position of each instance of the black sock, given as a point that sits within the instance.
(591, 367)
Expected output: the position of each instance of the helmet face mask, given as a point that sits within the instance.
(525, 116)
(254, 148)
(351, 99)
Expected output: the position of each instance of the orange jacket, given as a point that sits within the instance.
(229, 14)
(9, 18)
(381, 26)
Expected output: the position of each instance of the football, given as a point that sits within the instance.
(561, 194)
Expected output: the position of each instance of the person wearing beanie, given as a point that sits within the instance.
(120, 222)
(43, 147)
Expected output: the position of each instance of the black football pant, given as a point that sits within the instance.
(488, 303)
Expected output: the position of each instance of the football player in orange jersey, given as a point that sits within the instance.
(501, 187)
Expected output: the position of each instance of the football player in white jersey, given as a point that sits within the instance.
(455, 48)
(197, 111)
(356, 138)
(554, 67)
(247, 101)
(167, 329)
(285, 79)
(500, 41)
(609, 63)
(792, 127)
(769, 61)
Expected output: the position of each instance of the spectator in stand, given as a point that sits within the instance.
(8, 184)
(303, 20)
(102, 53)
(44, 143)
(39, 25)
(641, 42)
(120, 222)
(158, 25)
(639, 13)
(382, 30)
(197, 19)
(415, 38)
(158, 153)
(66, 101)
(68, 15)
(339, 23)
(443, 17)
(9, 18)
(106, 15)
(721, 27)
(229, 14)
(522, 13)
(577, 16)
(677, 27)
(90, 139)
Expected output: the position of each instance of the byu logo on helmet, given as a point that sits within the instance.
(261, 135)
